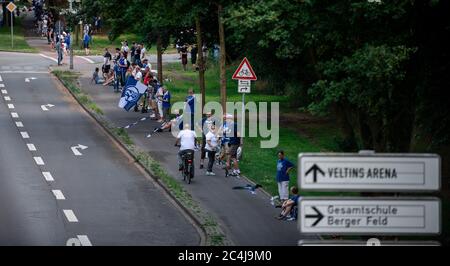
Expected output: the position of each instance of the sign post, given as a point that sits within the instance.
(244, 74)
(11, 8)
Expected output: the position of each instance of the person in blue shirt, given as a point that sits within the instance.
(289, 205)
(166, 104)
(284, 166)
(67, 41)
(86, 41)
(189, 109)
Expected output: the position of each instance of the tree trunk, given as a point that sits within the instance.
(159, 59)
(200, 62)
(222, 62)
(349, 143)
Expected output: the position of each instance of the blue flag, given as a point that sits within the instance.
(131, 93)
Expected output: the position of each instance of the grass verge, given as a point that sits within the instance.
(20, 45)
(214, 234)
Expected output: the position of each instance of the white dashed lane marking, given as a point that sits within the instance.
(58, 194)
(19, 124)
(84, 240)
(15, 115)
(25, 135)
(7, 98)
(4, 92)
(39, 160)
(11, 106)
(2, 85)
(31, 147)
(70, 216)
(48, 176)
(1, 79)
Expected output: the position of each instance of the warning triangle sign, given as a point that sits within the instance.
(245, 71)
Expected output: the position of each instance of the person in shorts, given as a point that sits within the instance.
(284, 166)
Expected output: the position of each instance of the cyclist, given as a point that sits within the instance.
(187, 140)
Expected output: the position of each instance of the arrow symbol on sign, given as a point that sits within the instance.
(76, 151)
(45, 107)
(315, 169)
(319, 216)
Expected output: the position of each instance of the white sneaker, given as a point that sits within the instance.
(208, 173)
(212, 174)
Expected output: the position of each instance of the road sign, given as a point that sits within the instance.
(339, 243)
(370, 216)
(11, 7)
(245, 71)
(244, 86)
(375, 172)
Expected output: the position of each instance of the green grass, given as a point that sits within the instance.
(101, 41)
(20, 45)
(181, 81)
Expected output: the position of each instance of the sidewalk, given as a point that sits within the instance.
(246, 219)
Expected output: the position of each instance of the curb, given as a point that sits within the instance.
(204, 237)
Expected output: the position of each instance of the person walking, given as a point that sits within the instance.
(59, 50)
(107, 57)
(206, 124)
(184, 57)
(86, 42)
(166, 104)
(211, 147)
(189, 108)
(284, 166)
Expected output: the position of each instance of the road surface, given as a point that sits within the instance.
(52, 195)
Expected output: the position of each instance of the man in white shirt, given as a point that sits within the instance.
(187, 140)
(210, 147)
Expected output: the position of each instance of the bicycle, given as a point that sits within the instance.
(188, 166)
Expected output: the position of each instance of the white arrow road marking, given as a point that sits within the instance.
(19, 124)
(39, 160)
(70, 216)
(11, 106)
(15, 115)
(31, 147)
(45, 107)
(76, 151)
(7, 98)
(58, 194)
(48, 176)
(4, 92)
(27, 80)
(25, 135)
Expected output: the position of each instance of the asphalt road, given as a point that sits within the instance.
(49, 195)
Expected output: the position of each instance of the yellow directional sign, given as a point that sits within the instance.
(11, 7)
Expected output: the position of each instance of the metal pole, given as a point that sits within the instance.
(243, 118)
(12, 30)
(71, 53)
